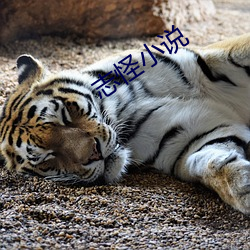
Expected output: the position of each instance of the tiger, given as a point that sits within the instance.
(187, 115)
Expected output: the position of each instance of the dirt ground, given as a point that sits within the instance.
(144, 211)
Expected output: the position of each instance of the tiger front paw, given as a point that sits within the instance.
(232, 182)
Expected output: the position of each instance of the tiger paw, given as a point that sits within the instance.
(223, 160)
(232, 182)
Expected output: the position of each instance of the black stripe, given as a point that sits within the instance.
(14, 125)
(19, 142)
(76, 105)
(26, 103)
(64, 117)
(118, 114)
(3, 114)
(17, 101)
(19, 118)
(246, 68)
(31, 112)
(139, 123)
(16, 121)
(96, 73)
(3, 135)
(2, 161)
(109, 137)
(195, 139)
(205, 69)
(56, 105)
(10, 109)
(73, 82)
(9, 153)
(13, 128)
(60, 98)
(169, 135)
(42, 114)
(121, 108)
(115, 77)
(89, 98)
(47, 168)
(175, 65)
(34, 158)
(44, 125)
(45, 92)
(70, 91)
(43, 111)
(94, 116)
(19, 159)
(89, 109)
(3, 127)
(209, 74)
(21, 131)
(73, 91)
(68, 81)
(31, 172)
(10, 139)
(232, 160)
(102, 107)
(232, 138)
(146, 90)
(132, 91)
(29, 149)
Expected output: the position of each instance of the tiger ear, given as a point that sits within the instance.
(29, 69)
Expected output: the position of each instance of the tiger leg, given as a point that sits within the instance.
(224, 169)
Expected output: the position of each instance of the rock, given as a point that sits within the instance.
(93, 19)
(186, 12)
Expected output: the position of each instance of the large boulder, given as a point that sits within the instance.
(95, 19)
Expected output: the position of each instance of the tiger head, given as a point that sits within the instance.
(52, 126)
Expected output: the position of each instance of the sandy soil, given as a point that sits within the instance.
(146, 210)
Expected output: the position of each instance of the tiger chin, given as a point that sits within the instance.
(187, 115)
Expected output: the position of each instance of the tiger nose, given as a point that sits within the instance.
(96, 153)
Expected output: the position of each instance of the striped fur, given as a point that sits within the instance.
(187, 116)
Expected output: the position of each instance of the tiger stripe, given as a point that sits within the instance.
(140, 122)
(239, 142)
(167, 137)
(179, 72)
(193, 141)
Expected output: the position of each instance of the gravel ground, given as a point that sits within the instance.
(146, 210)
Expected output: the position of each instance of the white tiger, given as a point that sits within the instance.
(188, 115)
